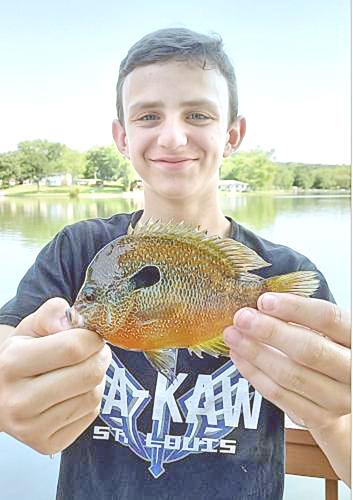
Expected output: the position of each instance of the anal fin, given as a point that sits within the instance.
(164, 361)
(215, 347)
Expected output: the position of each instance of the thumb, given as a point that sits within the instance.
(49, 318)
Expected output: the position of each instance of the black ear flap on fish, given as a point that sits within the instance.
(164, 361)
(146, 276)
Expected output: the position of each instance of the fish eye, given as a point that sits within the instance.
(88, 294)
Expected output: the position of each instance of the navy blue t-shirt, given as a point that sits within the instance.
(208, 435)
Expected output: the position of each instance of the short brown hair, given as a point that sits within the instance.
(179, 44)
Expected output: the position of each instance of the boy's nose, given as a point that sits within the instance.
(172, 135)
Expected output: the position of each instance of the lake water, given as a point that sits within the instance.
(317, 226)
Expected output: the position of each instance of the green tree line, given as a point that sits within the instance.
(261, 172)
(35, 160)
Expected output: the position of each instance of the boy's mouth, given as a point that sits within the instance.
(172, 159)
(172, 162)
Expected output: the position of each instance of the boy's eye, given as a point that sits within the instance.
(198, 116)
(148, 117)
(195, 116)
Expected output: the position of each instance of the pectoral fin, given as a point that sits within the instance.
(164, 361)
(215, 347)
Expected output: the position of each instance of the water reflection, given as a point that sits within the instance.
(261, 211)
(38, 219)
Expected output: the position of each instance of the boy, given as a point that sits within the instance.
(210, 434)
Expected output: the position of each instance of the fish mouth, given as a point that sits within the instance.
(74, 317)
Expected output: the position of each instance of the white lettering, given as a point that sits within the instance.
(152, 442)
(164, 397)
(117, 396)
(101, 432)
(119, 433)
(118, 384)
(228, 446)
(211, 445)
(242, 403)
(172, 442)
(194, 446)
(203, 388)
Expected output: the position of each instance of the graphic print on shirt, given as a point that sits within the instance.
(210, 411)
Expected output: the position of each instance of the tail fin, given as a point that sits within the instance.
(303, 283)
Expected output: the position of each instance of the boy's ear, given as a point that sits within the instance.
(235, 135)
(120, 138)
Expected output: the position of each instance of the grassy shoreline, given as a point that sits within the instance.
(69, 192)
(112, 192)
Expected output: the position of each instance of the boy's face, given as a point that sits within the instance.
(176, 130)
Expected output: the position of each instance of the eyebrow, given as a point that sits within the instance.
(159, 104)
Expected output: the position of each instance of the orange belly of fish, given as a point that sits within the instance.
(161, 335)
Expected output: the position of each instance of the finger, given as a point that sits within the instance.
(314, 386)
(300, 410)
(45, 354)
(68, 434)
(60, 385)
(317, 314)
(300, 344)
(49, 318)
(67, 412)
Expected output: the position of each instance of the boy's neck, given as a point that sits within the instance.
(206, 213)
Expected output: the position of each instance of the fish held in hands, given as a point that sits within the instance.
(165, 286)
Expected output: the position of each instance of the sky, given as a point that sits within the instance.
(59, 63)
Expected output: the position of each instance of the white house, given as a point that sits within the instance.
(233, 186)
(57, 180)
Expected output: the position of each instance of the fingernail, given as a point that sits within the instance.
(268, 302)
(244, 319)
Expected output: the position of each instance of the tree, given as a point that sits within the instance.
(253, 167)
(303, 177)
(284, 177)
(343, 176)
(10, 167)
(103, 163)
(128, 175)
(39, 158)
(72, 162)
(324, 179)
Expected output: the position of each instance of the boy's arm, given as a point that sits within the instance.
(296, 352)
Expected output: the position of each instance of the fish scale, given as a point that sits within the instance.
(167, 286)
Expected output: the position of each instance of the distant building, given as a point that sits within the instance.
(11, 182)
(85, 182)
(233, 186)
(57, 180)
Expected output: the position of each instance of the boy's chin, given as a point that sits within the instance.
(173, 191)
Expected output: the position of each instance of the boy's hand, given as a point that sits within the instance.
(51, 380)
(296, 352)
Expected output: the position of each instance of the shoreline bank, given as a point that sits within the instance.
(109, 192)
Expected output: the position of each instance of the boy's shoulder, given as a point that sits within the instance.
(115, 224)
(90, 235)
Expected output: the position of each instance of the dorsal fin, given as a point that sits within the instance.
(240, 258)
